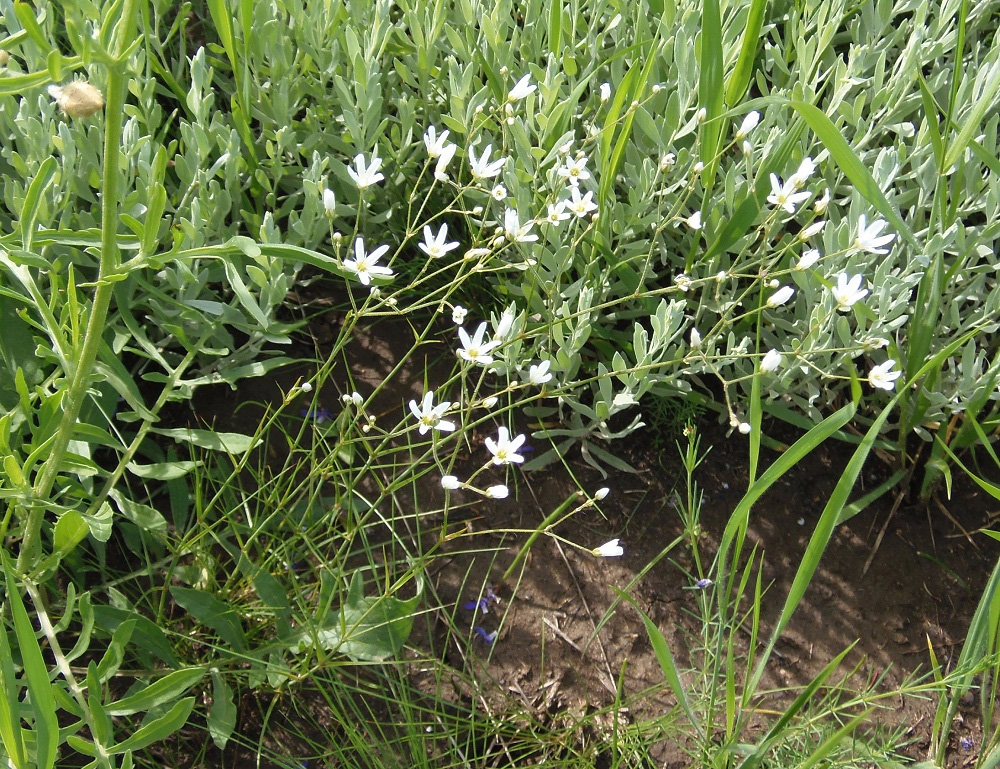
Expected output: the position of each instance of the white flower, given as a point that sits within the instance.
(575, 171)
(784, 195)
(610, 549)
(329, 202)
(435, 144)
(746, 147)
(441, 168)
(695, 338)
(516, 231)
(820, 205)
(605, 91)
(813, 229)
(682, 281)
(780, 296)
(882, 377)
(365, 265)
(352, 398)
(581, 205)
(306, 387)
(458, 313)
(601, 493)
(557, 213)
(808, 259)
(499, 193)
(749, 123)
(701, 115)
(475, 253)
(481, 167)
(504, 448)
(504, 326)
(497, 492)
(539, 375)
(475, 350)
(490, 401)
(667, 161)
(451, 482)
(434, 245)
(429, 415)
(744, 428)
(698, 167)
(868, 238)
(801, 176)
(848, 290)
(771, 361)
(521, 89)
(694, 221)
(366, 175)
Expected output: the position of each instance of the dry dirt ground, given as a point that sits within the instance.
(893, 578)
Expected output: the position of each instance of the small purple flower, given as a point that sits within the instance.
(701, 584)
(966, 744)
(483, 604)
(319, 415)
(488, 637)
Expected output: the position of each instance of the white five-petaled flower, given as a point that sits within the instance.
(435, 245)
(499, 193)
(813, 229)
(610, 549)
(771, 361)
(539, 375)
(475, 349)
(521, 89)
(581, 205)
(451, 482)
(883, 377)
(605, 91)
(458, 313)
(780, 296)
(868, 238)
(848, 290)
(504, 448)
(601, 493)
(441, 167)
(808, 259)
(682, 281)
(430, 416)
(694, 221)
(329, 202)
(366, 175)
(435, 144)
(498, 492)
(365, 265)
(557, 213)
(749, 123)
(481, 167)
(667, 161)
(575, 170)
(784, 195)
(516, 231)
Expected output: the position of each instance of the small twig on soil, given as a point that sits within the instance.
(554, 627)
(881, 534)
(951, 518)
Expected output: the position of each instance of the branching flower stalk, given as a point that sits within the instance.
(110, 265)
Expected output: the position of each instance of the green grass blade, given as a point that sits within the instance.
(33, 198)
(667, 664)
(36, 673)
(739, 78)
(11, 733)
(851, 165)
(710, 90)
(984, 101)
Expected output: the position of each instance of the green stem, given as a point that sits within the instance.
(96, 323)
(547, 524)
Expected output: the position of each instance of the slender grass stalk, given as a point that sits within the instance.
(110, 263)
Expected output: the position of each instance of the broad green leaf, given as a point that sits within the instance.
(158, 693)
(148, 636)
(231, 443)
(162, 471)
(222, 714)
(739, 78)
(710, 90)
(159, 729)
(212, 612)
(69, 531)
